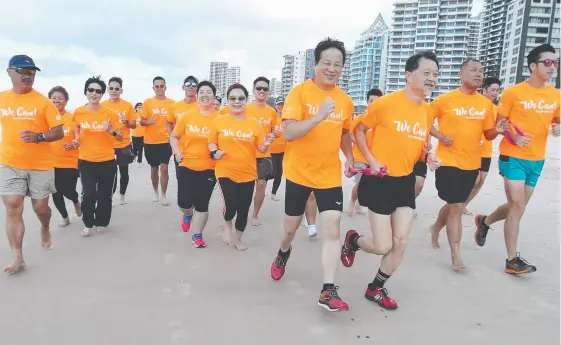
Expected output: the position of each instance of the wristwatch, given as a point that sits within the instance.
(213, 153)
(114, 133)
(40, 137)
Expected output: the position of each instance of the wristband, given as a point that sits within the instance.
(114, 133)
(213, 153)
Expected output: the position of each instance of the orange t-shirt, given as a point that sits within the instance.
(488, 144)
(62, 157)
(357, 154)
(279, 144)
(122, 108)
(267, 117)
(313, 160)
(180, 108)
(31, 111)
(532, 110)
(193, 129)
(463, 118)
(140, 129)
(156, 133)
(225, 110)
(96, 144)
(399, 131)
(239, 140)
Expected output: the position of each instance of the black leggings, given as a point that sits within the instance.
(277, 170)
(97, 182)
(138, 147)
(194, 188)
(123, 181)
(65, 184)
(237, 200)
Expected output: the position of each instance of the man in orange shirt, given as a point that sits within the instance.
(217, 103)
(157, 149)
(491, 87)
(532, 106)
(463, 115)
(30, 121)
(316, 119)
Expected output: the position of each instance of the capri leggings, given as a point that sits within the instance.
(237, 200)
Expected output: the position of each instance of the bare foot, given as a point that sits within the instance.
(458, 264)
(156, 197)
(434, 237)
(164, 201)
(14, 268)
(274, 197)
(414, 214)
(78, 209)
(467, 212)
(240, 247)
(87, 232)
(255, 221)
(122, 200)
(64, 223)
(227, 236)
(101, 229)
(46, 239)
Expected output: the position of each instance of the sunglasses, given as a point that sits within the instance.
(262, 88)
(92, 90)
(190, 84)
(239, 99)
(549, 63)
(159, 86)
(111, 88)
(24, 71)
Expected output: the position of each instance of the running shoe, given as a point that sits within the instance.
(279, 266)
(347, 251)
(518, 265)
(481, 230)
(380, 296)
(198, 241)
(330, 300)
(186, 223)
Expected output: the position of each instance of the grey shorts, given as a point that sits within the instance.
(359, 175)
(37, 184)
(264, 168)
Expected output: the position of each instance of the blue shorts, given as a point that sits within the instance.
(517, 169)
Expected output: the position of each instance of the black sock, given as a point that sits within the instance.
(284, 255)
(328, 287)
(379, 281)
(353, 240)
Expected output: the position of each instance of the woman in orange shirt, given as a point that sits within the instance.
(65, 155)
(138, 135)
(232, 142)
(277, 150)
(96, 126)
(195, 174)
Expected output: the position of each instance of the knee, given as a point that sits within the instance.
(455, 209)
(517, 207)
(399, 243)
(14, 209)
(164, 168)
(41, 208)
(382, 247)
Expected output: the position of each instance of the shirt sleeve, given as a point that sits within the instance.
(114, 120)
(172, 118)
(371, 116)
(489, 122)
(506, 103)
(293, 105)
(273, 120)
(355, 122)
(179, 129)
(349, 110)
(260, 137)
(144, 112)
(52, 115)
(434, 109)
(131, 114)
(214, 128)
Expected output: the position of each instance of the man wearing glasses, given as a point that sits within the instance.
(530, 107)
(217, 103)
(30, 121)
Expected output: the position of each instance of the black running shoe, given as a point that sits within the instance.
(481, 230)
(518, 265)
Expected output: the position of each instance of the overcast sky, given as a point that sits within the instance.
(139, 39)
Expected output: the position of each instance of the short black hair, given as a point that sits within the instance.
(95, 80)
(535, 54)
(158, 78)
(61, 90)
(190, 77)
(490, 81)
(412, 64)
(327, 44)
(117, 80)
(206, 83)
(237, 86)
(258, 79)
(467, 61)
(374, 92)
(139, 104)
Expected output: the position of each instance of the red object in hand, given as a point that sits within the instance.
(509, 137)
(368, 171)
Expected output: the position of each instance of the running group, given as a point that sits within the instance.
(45, 149)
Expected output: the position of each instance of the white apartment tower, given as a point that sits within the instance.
(346, 73)
(218, 76)
(440, 26)
(473, 36)
(491, 36)
(287, 75)
(529, 23)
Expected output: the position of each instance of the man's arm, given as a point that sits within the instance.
(347, 144)
(54, 134)
(293, 129)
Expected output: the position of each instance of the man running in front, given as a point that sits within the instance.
(316, 119)
(401, 119)
(532, 106)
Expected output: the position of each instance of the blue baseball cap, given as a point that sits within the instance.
(279, 100)
(219, 99)
(22, 61)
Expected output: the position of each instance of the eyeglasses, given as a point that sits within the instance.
(111, 88)
(159, 86)
(24, 71)
(549, 63)
(239, 99)
(190, 84)
(262, 88)
(91, 90)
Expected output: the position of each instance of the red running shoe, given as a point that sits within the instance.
(380, 296)
(330, 300)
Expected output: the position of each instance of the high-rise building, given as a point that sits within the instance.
(275, 89)
(218, 76)
(287, 74)
(529, 23)
(368, 61)
(299, 74)
(437, 25)
(473, 36)
(343, 82)
(309, 72)
(491, 35)
(232, 75)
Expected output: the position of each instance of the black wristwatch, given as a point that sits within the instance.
(114, 133)
(213, 153)
(40, 137)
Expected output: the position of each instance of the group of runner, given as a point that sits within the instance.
(242, 146)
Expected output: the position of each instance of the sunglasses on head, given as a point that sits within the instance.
(262, 88)
(24, 71)
(111, 88)
(549, 63)
(239, 99)
(159, 86)
(91, 90)
(190, 84)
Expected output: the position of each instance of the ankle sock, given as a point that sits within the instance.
(379, 281)
(327, 287)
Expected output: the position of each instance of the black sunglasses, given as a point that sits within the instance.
(239, 99)
(111, 88)
(262, 88)
(98, 91)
